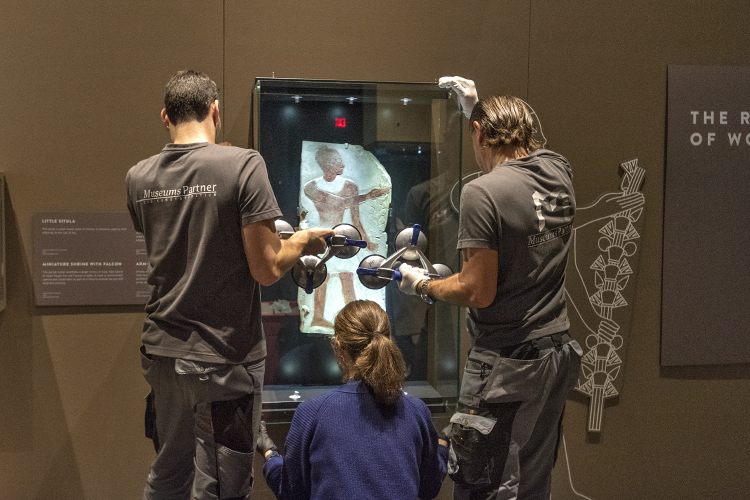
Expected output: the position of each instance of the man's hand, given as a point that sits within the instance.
(316, 240)
(264, 444)
(410, 278)
(270, 257)
(467, 92)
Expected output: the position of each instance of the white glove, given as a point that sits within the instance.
(410, 278)
(467, 92)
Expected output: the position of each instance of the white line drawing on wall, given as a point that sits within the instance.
(599, 294)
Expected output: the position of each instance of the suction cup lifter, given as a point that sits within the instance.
(376, 271)
(310, 271)
(284, 229)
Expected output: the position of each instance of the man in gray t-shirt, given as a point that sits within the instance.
(207, 214)
(522, 210)
(514, 234)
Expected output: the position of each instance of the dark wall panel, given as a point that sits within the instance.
(597, 77)
(81, 88)
(705, 303)
(380, 41)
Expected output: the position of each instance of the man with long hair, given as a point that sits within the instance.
(514, 234)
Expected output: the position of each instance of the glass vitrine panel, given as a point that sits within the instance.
(380, 157)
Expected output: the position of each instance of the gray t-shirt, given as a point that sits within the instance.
(524, 210)
(190, 202)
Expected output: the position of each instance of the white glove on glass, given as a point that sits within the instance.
(467, 92)
(410, 278)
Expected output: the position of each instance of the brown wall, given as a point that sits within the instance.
(80, 92)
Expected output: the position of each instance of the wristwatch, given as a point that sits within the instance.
(423, 291)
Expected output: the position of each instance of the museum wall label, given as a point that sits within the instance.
(88, 258)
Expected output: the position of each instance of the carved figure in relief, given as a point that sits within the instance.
(335, 196)
(332, 194)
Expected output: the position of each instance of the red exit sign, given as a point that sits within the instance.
(341, 122)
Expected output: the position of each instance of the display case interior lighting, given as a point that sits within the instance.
(351, 99)
(297, 98)
(405, 100)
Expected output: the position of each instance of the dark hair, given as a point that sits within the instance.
(505, 121)
(369, 354)
(188, 96)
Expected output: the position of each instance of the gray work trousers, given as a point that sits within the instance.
(505, 434)
(203, 419)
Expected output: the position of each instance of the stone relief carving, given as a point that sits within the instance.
(341, 183)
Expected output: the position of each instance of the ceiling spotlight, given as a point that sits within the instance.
(297, 98)
(405, 100)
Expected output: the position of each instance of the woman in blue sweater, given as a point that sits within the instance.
(367, 439)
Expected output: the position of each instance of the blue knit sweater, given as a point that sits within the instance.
(342, 445)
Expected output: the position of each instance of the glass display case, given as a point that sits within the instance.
(381, 157)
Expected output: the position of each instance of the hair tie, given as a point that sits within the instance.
(377, 332)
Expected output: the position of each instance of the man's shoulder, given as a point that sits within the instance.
(500, 180)
(548, 154)
(227, 160)
(145, 162)
(229, 149)
(231, 152)
(142, 166)
(560, 163)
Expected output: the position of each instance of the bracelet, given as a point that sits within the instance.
(423, 292)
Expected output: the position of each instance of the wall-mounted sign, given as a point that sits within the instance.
(88, 258)
(705, 299)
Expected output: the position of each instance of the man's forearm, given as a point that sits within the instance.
(476, 284)
(289, 253)
(453, 290)
(269, 257)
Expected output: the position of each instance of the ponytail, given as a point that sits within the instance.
(505, 121)
(381, 366)
(363, 333)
